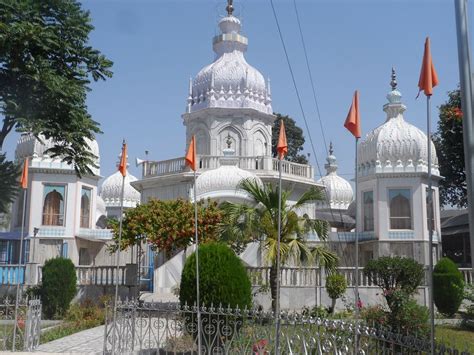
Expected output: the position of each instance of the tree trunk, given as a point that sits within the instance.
(333, 305)
(273, 285)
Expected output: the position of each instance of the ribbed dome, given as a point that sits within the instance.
(223, 181)
(229, 82)
(338, 190)
(29, 146)
(396, 146)
(112, 187)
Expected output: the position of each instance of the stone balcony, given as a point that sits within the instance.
(260, 165)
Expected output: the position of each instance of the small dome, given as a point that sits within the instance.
(221, 183)
(112, 187)
(29, 146)
(396, 145)
(338, 190)
(229, 82)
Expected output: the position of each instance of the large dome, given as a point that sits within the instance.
(112, 187)
(222, 183)
(338, 190)
(396, 146)
(229, 82)
(29, 146)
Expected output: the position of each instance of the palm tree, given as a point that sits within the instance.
(260, 222)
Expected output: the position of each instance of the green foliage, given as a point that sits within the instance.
(448, 287)
(169, 225)
(58, 286)
(410, 318)
(294, 136)
(259, 222)
(375, 315)
(223, 278)
(9, 174)
(336, 285)
(316, 312)
(396, 276)
(46, 65)
(449, 141)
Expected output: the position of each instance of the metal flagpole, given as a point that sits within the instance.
(19, 269)
(357, 303)
(117, 268)
(430, 224)
(464, 57)
(197, 266)
(277, 305)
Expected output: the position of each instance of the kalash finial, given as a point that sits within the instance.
(331, 150)
(393, 82)
(230, 7)
(229, 140)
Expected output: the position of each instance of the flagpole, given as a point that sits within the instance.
(430, 224)
(197, 266)
(356, 246)
(19, 269)
(277, 303)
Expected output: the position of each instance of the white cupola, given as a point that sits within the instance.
(395, 146)
(338, 190)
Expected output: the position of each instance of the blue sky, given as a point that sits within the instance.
(157, 45)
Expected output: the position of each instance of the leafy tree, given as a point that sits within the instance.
(448, 287)
(46, 65)
(260, 222)
(294, 136)
(169, 225)
(9, 173)
(336, 286)
(450, 149)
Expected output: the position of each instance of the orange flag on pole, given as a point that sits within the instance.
(282, 146)
(123, 160)
(190, 158)
(352, 122)
(428, 77)
(24, 175)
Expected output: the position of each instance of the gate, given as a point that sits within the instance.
(165, 329)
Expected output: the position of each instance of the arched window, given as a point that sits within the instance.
(368, 211)
(400, 209)
(53, 205)
(85, 208)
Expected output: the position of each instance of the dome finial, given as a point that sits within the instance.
(393, 82)
(228, 141)
(331, 150)
(230, 7)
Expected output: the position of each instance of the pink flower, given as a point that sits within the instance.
(359, 304)
(259, 347)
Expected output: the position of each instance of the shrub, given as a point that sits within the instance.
(58, 286)
(336, 286)
(315, 312)
(395, 274)
(222, 278)
(448, 287)
(375, 315)
(410, 318)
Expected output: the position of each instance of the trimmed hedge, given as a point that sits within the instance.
(58, 286)
(223, 278)
(448, 287)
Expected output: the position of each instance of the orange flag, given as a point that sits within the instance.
(353, 117)
(282, 146)
(190, 158)
(428, 77)
(24, 175)
(123, 160)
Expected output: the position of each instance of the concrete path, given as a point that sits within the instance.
(90, 341)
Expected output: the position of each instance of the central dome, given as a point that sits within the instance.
(229, 81)
(396, 146)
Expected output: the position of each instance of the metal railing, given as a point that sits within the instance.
(166, 329)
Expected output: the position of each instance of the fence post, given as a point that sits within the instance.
(31, 274)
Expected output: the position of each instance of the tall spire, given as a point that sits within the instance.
(394, 108)
(331, 166)
(230, 7)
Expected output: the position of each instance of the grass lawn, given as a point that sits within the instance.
(462, 339)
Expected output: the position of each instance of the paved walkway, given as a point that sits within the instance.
(90, 341)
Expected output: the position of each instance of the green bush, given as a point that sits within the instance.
(448, 287)
(410, 318)
(393, 274)
(375, 316)
(315, 312)
(58, 286)
(336, 286)
(222, 278)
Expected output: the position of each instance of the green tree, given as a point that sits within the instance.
(169, 225)
(9, 173)
(260, 222)
(449, 141)
(46, 66)
(294, 136)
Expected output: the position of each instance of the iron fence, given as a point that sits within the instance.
(151, 328)
(22, 333)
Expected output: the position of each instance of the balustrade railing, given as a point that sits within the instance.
(294, 169)
(468, 275)
(12, 274)
(100, 275)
